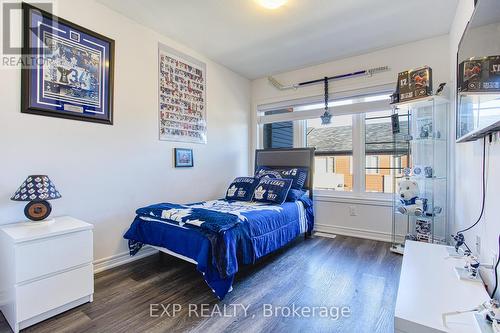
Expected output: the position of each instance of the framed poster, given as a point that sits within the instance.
(183, 158)
(71, 72)
(182, 97)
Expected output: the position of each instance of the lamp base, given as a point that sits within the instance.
(37, 210)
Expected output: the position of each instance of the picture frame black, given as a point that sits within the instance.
(47, 89)
(183, 158)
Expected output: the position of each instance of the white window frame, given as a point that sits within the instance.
(373, 168)
(358, 122)
(334, 168)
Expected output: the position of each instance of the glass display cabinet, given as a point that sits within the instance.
(478, 74)
(478, 113)
(420, 202)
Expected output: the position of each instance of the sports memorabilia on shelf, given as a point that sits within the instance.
(428, 172)
(423, 230)
(423, 171)
(417, 170)
(479, 74)
(424, 125)
(182, 97)
(415, 83)
(71, 75)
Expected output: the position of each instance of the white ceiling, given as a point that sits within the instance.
(255, 42)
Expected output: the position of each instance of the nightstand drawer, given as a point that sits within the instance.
(53, 254)
(43, 295)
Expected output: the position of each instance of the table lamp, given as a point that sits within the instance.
(37, 189)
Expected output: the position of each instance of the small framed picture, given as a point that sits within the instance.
(183, 158)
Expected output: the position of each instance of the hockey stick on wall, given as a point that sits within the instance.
(367, 72)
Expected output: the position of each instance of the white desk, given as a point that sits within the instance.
(428, 287)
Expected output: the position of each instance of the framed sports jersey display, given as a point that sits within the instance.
(68, 70)
(182, 97)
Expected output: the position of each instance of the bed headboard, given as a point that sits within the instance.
(288, 157)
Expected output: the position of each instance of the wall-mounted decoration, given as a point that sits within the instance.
(183, 158)
(182, 97)
(71, 72)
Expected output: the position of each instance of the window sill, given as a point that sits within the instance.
(378, 199)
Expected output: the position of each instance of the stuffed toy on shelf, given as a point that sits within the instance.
(409, 201)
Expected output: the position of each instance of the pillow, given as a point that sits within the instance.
(241, 189)
(297, 175)
(272, 190)
(294, 195)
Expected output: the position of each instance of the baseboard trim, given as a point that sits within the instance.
(324, 234)
(321, 230)
(354, 232)
(104, 264)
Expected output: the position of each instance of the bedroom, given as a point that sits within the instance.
(247, 68)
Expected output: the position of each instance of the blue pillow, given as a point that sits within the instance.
(297, 175)
(272, 190)
(241, 189)
(294, 195)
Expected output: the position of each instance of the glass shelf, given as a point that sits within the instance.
(477, 94)
(422, 102)
(421, 178)
(431, 140)
(435, 217)
(478, 113)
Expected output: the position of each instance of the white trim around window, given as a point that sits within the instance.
(362, 101)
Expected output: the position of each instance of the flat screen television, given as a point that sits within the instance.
(478, 74)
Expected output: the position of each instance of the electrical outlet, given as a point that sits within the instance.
(352, 211)
(478, 245)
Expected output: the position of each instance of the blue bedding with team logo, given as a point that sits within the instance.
(220, 235)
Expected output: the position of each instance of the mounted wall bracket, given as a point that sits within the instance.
(365, 72)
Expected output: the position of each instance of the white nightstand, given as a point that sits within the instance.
(45, 269)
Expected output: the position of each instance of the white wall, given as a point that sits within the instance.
(468, 158)
(105, 172)
(374, 217)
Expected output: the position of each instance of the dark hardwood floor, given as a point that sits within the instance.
(348, 272)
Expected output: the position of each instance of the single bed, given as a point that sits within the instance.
(220, 235)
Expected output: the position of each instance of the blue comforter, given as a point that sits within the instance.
(218, 235)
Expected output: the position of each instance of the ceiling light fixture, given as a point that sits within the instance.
(271, 4)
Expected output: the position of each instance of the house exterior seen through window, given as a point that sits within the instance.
(278, 135)
(384, 159)
(333, 145)
(356, 152)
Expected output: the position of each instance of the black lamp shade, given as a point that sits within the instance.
(36, 188)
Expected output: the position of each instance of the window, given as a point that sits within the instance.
(355, 153)
(325, 164)
(385, 158)
(333, 145)
(372, 164)
(278, 135)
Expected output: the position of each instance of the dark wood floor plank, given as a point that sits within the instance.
(360, 274)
